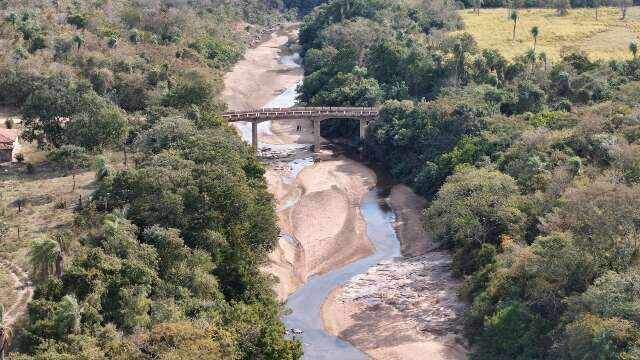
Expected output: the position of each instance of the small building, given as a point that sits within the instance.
(9, 144)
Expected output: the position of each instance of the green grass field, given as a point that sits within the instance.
(605, 38)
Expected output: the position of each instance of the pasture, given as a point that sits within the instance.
(606, 38)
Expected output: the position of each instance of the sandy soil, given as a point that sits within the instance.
(406, 308)
(323, 227)
(408, 208)
(383, 332)
(259, 76)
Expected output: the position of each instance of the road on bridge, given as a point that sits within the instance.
(316, 114)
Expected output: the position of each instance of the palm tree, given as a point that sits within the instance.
(458, 52)
(68, 316)
(543, 59)
(530, 56)
(535, 31)
(633, 47)
(46, 257)
(514, 18)
(79, 40)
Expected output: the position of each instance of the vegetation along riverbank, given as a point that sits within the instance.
(135, 223)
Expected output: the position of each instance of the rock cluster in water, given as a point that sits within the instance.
(421, 288)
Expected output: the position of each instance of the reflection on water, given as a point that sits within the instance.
(307, 301)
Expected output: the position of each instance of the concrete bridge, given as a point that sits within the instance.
(316, 114)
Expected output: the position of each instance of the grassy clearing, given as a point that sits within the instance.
(605, 38)
(8, 294)
(45, 191)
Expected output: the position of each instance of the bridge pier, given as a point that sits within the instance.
(363, 129)
(316, 135)
(254, 135)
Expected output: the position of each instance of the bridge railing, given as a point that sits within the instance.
(302, 111)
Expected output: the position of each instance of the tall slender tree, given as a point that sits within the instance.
(531, 58)
(477, 4)
(633, 47)
(535, 31)
(514, 18)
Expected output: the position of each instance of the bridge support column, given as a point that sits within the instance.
(363, 129)
(316, 135)
(254, 135)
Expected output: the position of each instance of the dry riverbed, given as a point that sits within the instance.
(403, 309)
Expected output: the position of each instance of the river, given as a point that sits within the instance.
(305, 304)
(339, 232)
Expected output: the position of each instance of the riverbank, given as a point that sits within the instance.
(406, 308)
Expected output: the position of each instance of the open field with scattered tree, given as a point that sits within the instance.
(608, 37)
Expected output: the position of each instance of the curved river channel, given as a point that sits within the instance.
(306, 302)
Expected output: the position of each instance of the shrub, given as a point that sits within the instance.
(9, 123)
(19, 157)
(60, 204)
(134, 36)
(31, 169)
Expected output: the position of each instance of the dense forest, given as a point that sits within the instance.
(166, 253)
(531, 167)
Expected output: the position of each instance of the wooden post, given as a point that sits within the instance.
(254, 135)
(316, 135)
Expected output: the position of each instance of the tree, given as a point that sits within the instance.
(542, 56)
(531, 58)
(535, 31)
(514, 18)
(596, 6)
(78, 40)
(633, 47)
(71, 158)
(45, 256)
(562, 6)
(473, 207)
(624, 5)
(477, 4)
(101, 127)
(67, 316)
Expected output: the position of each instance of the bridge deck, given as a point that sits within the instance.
(300, 113)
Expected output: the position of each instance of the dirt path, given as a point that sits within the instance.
(24, 290)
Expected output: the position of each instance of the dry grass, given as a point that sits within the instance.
(44, 190)
(606, 38)
(8, 295)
